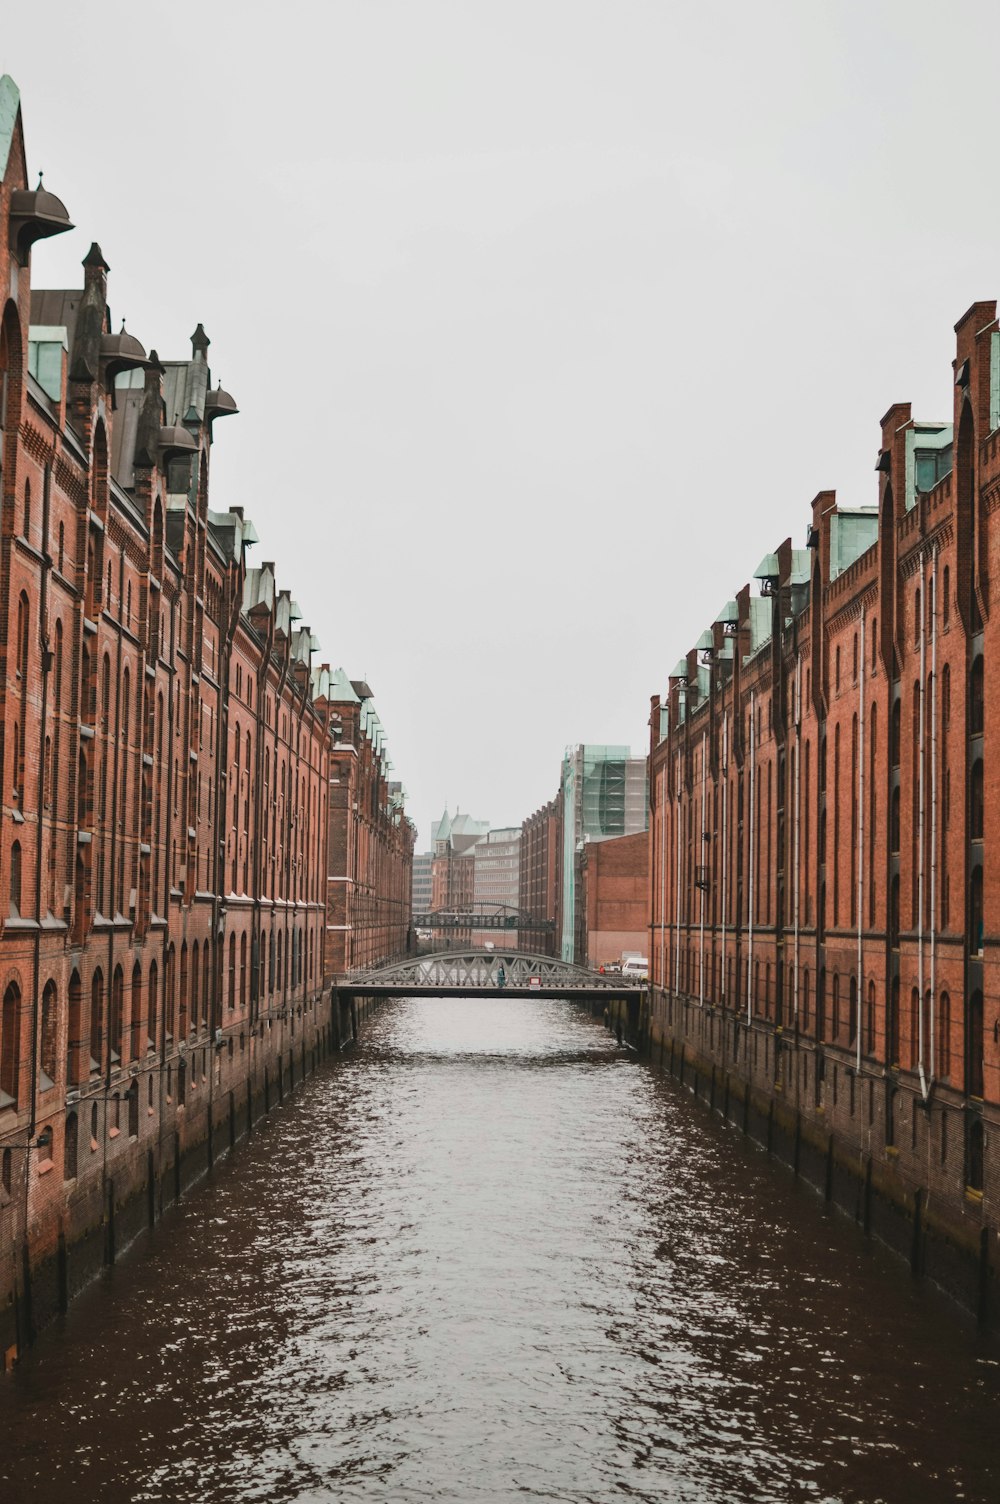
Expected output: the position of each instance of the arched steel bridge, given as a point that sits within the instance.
(484, 973)
(480, 916)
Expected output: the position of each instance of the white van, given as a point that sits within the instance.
(635, 969)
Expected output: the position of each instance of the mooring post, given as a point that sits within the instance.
(918, 1208)
(109, 1225)
(868, 1196)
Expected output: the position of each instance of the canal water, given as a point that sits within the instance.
(488, 1256)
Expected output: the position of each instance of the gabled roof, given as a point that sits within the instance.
(10, 103)
(341, 691)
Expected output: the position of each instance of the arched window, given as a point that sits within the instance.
(892, 1025)
(852, 1017)
(894, 734)
(243, 970)
(870, 1020)
(945, 597)
(835, 1031)
(10, 1053)
(976, 911)
(976, 693)
(96, 1022)
(206, 990)
(944, 1038)
(195, 980)
(232, 973)
(138, 1048)
(804, 1001)
(133, 1110)
(914, 1028)
(976, 800)
(15, 880)
(27, 508)
(49, 1050)
(894, 821)
(116, 1022)
(169, 993)
(974, 1046)
(76, 1062)
(153, 1021)
(182, 1005)
(70, 1135)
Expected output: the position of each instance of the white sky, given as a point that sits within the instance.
(546, 318)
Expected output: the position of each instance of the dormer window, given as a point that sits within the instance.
(931, 466)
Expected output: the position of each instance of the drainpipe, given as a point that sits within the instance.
(677, 886)
(46, 663)
(725, 802)
(753, 730)
(859, 995)
(934, 818)
(920, 835)
(701, 915)
(661, 802)
(797, 802)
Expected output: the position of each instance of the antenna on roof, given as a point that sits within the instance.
(40, 175)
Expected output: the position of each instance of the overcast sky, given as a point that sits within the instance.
(546, 318)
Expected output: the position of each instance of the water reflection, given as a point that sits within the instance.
(490, 1257)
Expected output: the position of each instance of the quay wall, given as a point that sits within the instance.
(129, 1187)
(889, 1193)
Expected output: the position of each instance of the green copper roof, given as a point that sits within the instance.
(10, 103)
(341, 692)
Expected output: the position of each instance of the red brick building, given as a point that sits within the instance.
(538, 878)
(615, 879)
(822, 897)
(370, 865)
(165, 774)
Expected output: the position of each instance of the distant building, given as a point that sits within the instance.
(614, 877)
(603, 792)
(538, 884)
(496, 865)
(453, 868)
(422, 882)
(370, 838)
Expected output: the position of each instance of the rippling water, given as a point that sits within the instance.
(489, 1257)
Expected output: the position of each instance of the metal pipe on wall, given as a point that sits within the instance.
(751, 895)
(725, 802)
(701, 889)
(859, 992)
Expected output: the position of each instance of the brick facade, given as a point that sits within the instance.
(538, 878)
(823, 903)
(164, 777)
(371, 840)
(614, 876)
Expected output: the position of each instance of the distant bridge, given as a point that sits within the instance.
(484, 973)
(485, 916)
